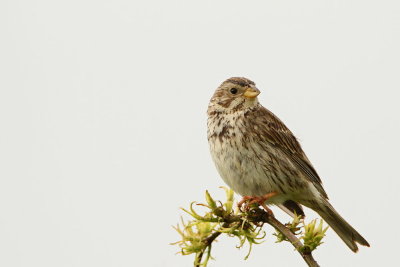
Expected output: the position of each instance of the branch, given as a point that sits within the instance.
(258, 215)
(307, 256)
(208, 241)
(199, 234)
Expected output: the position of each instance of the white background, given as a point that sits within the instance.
(103, 122)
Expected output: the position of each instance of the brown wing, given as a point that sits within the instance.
(277, 134)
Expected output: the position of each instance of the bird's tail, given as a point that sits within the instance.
(344, 230)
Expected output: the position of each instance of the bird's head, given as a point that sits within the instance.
(235, 94)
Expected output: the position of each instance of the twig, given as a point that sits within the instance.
(260, 216)
(307, 256)
(208, 241)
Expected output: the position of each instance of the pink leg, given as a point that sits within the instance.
(257, 200)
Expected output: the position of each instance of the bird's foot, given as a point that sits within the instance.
(247, 201)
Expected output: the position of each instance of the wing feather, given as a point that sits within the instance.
(277, 134)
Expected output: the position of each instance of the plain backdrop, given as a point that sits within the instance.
(103, 122)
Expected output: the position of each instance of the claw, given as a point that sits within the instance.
(249, 200)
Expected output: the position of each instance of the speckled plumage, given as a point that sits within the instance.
(256, 154)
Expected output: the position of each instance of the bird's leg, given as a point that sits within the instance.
(260, 200)
(243, 200)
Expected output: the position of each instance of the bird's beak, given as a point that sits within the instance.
(251, 92)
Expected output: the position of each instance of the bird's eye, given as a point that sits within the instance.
(233, 91)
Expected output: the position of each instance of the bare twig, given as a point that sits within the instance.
(307, 256)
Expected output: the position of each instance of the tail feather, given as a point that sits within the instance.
(344, 230)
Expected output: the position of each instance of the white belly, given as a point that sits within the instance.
(241, 170)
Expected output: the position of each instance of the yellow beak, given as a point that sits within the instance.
(251, 92)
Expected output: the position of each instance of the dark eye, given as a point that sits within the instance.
(233, 91)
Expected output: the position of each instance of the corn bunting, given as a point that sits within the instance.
(260, 159)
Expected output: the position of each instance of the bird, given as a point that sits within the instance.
(260, 159)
